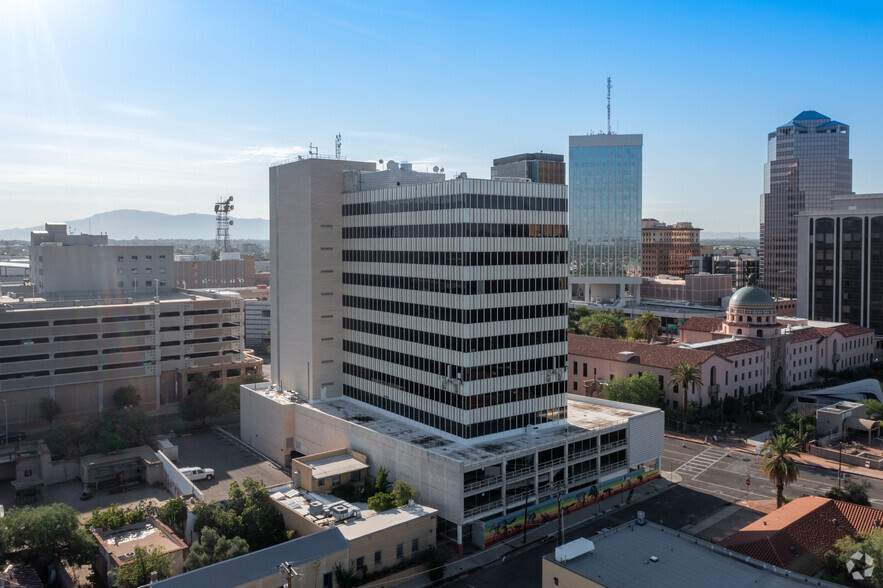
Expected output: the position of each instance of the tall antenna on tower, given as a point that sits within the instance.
(337, 146)
(609, 85)
(222, 224)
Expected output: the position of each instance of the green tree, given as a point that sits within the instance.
(137, 571)
(248, 512)
(204, 401)
(875, 408)
(648, 325)
(126, 396)
(346, 577)
(381, 482)
(36, 535)
(381, 502)
(777, 463)
(114, 516)
(605, 324)
(174, 514)
(49, 410)
(870, 544)
(402, 493)
(685, 375)
(434, 558)
(213, 548)
(852, 490)
(643, 390)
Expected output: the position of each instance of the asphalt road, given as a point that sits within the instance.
(702, 503)
(710, 469)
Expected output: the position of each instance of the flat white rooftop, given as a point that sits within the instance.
(334, 465)
(586, 417)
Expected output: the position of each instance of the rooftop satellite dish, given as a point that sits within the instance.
(231, 222)
(442, 170)
(380, 161)
(435, 169)
(230, 199)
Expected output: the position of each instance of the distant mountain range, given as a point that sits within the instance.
(708, 235)
(142, 224)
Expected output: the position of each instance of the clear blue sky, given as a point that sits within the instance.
(166, 105)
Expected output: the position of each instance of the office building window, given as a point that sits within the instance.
(415, 545)
(400, 551)
(377, 558)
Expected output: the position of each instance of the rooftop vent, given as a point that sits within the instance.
(625, 355)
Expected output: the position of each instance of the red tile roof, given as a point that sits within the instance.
(702, 323)
(798, 535)
(737, 347)
(662, 356)
(848, 330)
(807, 334)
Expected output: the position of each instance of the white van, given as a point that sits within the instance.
(198, 473)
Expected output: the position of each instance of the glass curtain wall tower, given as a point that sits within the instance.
(605, 216)
(808, 163)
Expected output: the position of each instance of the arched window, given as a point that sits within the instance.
(713, 375)
(749, 318)
(738, 331)
(759, 333)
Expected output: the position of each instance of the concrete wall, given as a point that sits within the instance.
(305, 242)
(267, 423)
(423, 529)
(175, 482)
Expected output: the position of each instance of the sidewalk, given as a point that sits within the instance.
(510, 547)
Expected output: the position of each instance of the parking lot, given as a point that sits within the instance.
(230, 460)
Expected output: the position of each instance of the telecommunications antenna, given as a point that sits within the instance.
(435, 169)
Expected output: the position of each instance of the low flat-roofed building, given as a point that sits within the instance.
(117, 547)
(323, 472)
(652, 555)
(377, 540)
(310, 560)
(471, 483)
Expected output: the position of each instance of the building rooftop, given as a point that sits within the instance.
(365, 522)
(622, 559)
(150, 534)
(752, 298)
(258, 565)
(811, 115)
(797, 535)
(529, 157)
(702, 323)
(584, 416)
(334, 465)
(726, 347)
(662, 356)
(20, 299)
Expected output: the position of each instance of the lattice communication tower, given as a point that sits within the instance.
(223, 223)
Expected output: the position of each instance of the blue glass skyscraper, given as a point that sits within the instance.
(605, 216)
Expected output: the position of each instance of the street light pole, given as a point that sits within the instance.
(839, 463)
(6, 410)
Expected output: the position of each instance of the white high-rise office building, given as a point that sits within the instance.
(443, 302)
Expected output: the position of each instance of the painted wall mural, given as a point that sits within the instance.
(511, 525)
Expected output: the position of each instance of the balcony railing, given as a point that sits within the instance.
(614, 445)
(583, 476)
(520, 473)
(485, 483)
(580, 455)
(471, 512)
(613, 466)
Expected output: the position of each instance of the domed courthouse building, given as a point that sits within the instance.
(737, 356)
(794, 350)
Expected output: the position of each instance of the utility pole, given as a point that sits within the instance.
(524, 537)
(558, 492)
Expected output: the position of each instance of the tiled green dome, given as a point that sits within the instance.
(751, 299)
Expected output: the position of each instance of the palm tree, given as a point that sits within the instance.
(648, 325)
(604, 327)
(684, 375)
(777, 463)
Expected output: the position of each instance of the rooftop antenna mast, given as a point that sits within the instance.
(337, 146)
(222, 222)
(609, 85)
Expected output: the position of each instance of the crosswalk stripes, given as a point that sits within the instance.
(696, 466)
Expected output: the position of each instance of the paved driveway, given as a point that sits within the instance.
(230, 460)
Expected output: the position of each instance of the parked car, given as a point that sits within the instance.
(12, 437)
(195, 473)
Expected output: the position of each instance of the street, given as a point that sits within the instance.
(702, 504)
(708, 468)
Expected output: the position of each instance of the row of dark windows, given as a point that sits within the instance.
(470, 345)
(449, 398)
(456, 230)
(456, 286)
(466, 374)
(456, 201)
(458, 258)
(457, 315)
(452, 427)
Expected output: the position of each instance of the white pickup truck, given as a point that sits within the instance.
(198, 473)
